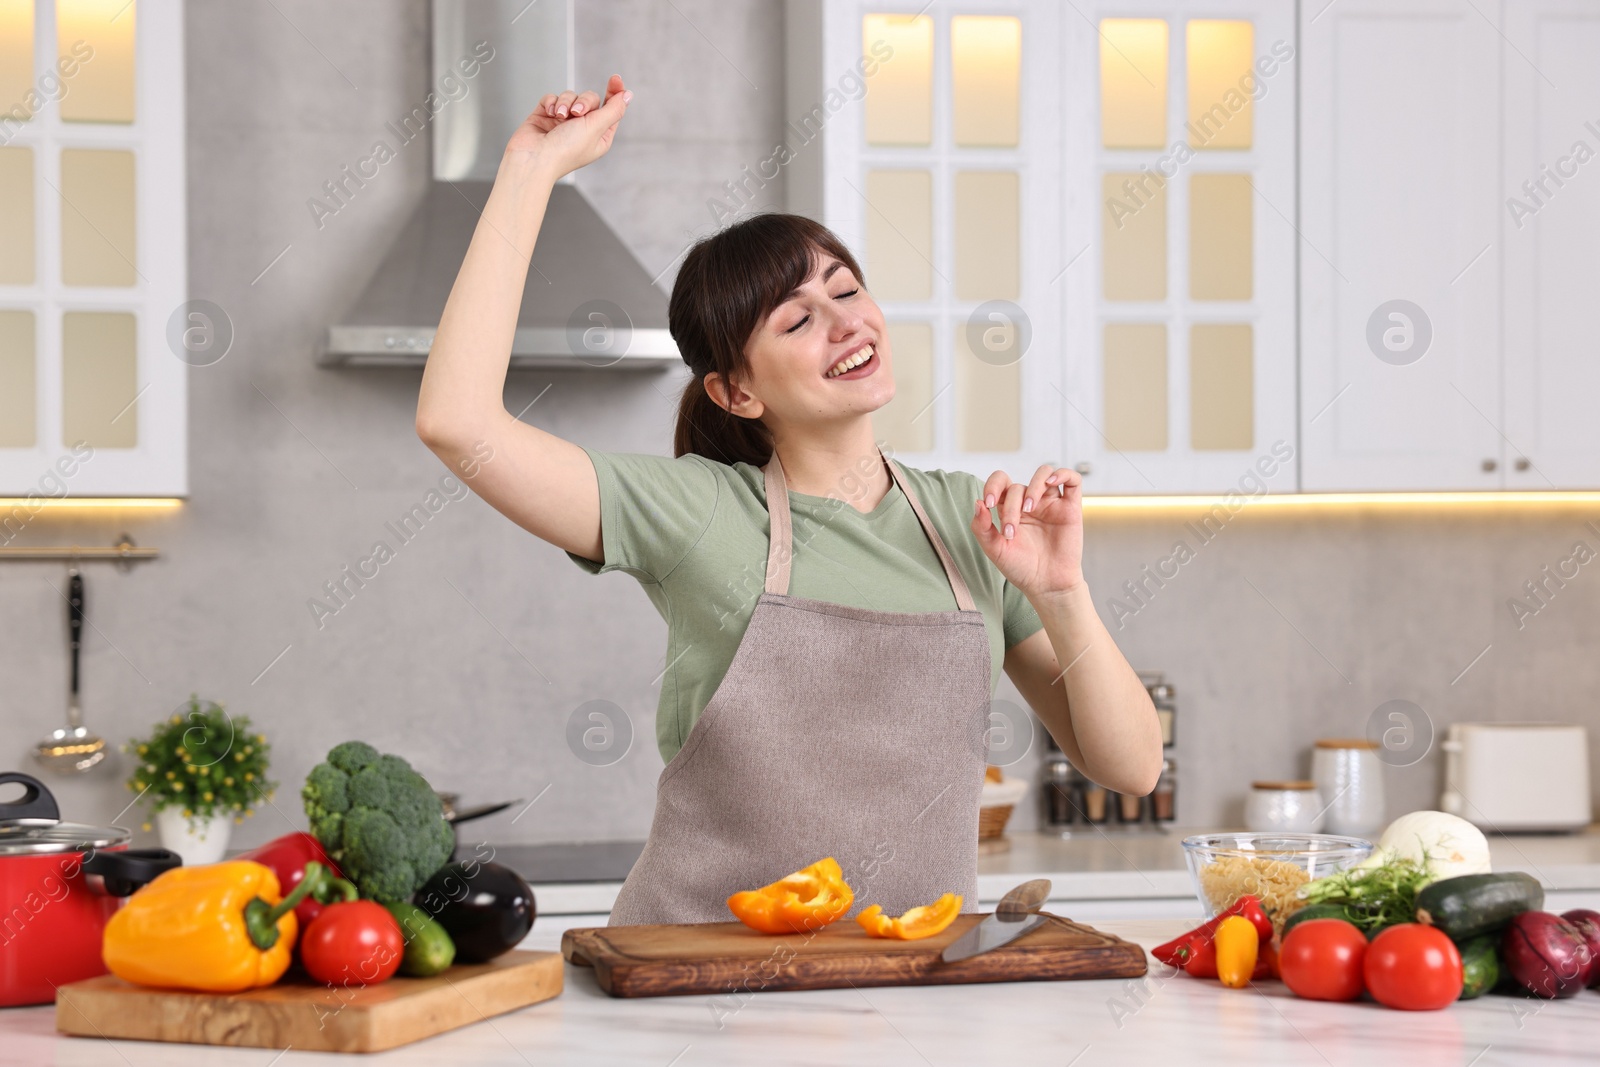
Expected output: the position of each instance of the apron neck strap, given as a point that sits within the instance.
(780, 541)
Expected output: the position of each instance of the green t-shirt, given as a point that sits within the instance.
(694, 533)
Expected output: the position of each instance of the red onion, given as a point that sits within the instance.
(1588, 924)
(1546, 954)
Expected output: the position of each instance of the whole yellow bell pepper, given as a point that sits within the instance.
(916, 923)
(1238, 943)
(806, 900)
(220, 928)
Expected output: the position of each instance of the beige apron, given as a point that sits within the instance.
(837, 731)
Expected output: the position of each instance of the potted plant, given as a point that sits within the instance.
(201, 770)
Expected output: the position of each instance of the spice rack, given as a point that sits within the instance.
(1074, 804)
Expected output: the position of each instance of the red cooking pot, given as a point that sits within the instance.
(59, 884)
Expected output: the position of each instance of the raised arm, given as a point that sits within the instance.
(541, 482)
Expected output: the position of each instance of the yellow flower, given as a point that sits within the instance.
(249, 749)
(205, 770)
(145, 827)
(171, 775)
(260, 740)
(151, 767)
(227, 781)
(208, 797)
(238, 757)
(249, 777)
(177, 787)
(143, 749)
(187, 813)
(177, 719)
(248, 814)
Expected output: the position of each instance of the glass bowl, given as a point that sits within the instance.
(1273, 866)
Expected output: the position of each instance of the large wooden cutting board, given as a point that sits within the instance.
(311, 1017)
(717, 958)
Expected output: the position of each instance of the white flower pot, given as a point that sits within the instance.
(203, 841)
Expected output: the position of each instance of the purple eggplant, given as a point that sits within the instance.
(1588, 924)
(1546, 954)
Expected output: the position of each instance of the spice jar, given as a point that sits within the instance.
(1096, 806)
(1163, 802)
(1061, 791)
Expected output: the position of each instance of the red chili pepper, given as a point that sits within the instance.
(1200, 956)
(1248, 905)
(288, 856)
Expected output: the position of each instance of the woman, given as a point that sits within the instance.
(822, 696)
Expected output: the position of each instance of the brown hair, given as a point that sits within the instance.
(730, 282)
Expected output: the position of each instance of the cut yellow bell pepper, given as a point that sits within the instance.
(916, 923)
(220, 928)
(806, 900)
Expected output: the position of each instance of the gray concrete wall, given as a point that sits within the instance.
(470, 649)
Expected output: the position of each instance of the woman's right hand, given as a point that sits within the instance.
(571, 129)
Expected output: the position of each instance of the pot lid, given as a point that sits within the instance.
(34, 836)
(31, 824)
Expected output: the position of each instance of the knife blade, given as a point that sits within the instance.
(1015, 915)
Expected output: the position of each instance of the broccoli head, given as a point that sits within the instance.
(379, 820)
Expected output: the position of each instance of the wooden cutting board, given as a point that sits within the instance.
(311, 1017)
(654, 961)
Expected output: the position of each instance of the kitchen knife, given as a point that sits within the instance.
(1015, 915)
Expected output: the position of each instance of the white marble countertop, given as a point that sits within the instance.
(1121, 865)
(1159, 1019)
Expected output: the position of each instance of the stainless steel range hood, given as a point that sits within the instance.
(587, 302)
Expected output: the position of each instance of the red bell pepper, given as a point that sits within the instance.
(288, 856)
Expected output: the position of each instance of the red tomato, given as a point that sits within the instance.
(1414, 967)
(1321, 959)
(353, 943)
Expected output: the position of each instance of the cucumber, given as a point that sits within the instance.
(1480, 966)
(429, 949)
(1313, 911)
(1469, 905)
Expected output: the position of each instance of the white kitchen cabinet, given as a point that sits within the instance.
(1178, 196)
(1550, 223)
(95, 335)
(960, 151)
(927, 138)
(1400, 135)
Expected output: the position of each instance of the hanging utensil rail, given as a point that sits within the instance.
(124, 551)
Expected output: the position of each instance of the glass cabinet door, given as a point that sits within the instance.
(92, 248)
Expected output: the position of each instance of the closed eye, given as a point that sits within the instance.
(803, 319)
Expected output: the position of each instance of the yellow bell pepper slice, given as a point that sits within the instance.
(806, 900)
(916, 923)
(219, 928)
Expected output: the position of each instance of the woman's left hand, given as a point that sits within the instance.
(1044, 554)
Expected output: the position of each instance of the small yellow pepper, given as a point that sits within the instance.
(220, 928)
(806, 900)
(916, 923)
(1237, 942)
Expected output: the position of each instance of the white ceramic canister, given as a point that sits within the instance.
(1287, 807)
(1349, 775)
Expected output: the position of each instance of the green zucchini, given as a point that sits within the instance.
(1480, 966)
(1469, 905)
(1313, 911)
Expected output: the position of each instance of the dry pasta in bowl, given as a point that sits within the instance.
(1273, 867)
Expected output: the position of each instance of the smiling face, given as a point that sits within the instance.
(796, 351)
